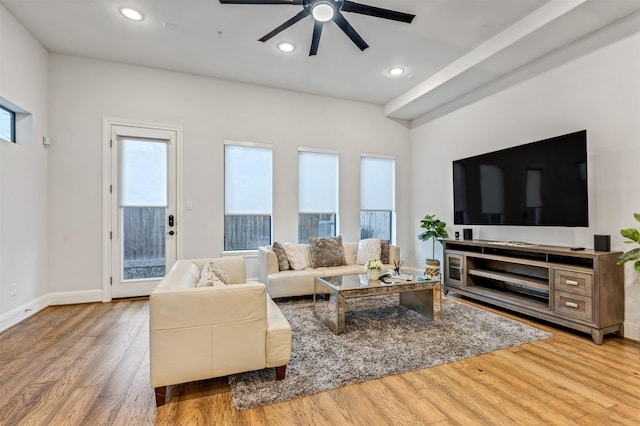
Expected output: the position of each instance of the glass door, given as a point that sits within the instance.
(144, 218)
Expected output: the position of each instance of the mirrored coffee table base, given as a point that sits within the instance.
(423, 297)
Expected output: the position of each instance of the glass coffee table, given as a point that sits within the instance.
(423, 297)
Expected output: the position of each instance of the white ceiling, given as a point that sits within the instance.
(453, 48)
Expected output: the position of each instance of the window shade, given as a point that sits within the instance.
(377, 183)
(317, 182)
(247, 180)
(143, 173)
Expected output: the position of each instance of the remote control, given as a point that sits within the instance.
(577, 248)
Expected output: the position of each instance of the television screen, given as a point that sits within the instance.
(541, 183)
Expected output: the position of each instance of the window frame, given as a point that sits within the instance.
(336, 154)
(225, 214)
(392, 212)
(12, 124)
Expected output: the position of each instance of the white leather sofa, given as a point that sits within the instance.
(199, 333)
(300, 283)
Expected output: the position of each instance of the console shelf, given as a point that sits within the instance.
(583, 290)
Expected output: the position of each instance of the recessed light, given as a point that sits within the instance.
(286, 47)
(322, 12)
(396, 71)
(132, 14)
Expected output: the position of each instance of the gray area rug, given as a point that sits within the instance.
(382, 338)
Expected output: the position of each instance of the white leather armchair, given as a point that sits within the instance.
(198, 333)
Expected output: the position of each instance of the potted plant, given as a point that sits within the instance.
(434, 229)
(374, 269)
(633, 236)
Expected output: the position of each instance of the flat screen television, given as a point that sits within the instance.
(542, 183)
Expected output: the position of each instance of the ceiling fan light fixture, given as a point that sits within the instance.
(132, 14)
(286, 47)
(396, 71)
(322, 11)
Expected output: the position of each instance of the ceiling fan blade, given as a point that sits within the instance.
(349, 31)
(315, 42)
(378, 12)
(286, 25)
(261, 1)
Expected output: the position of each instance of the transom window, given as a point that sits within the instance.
(248, 178)
(377, 197)
(317, 194)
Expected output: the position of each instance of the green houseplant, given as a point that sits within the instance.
(434, 229)
(633, 236)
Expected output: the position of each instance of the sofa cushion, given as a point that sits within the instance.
(283, 262)
(326, 251)
(350, 251)
(368, 248)
(297, 255)
(213, 275)
(384, 251)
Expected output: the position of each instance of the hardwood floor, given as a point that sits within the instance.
(89, 365)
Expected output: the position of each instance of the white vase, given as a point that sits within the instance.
(372, 274)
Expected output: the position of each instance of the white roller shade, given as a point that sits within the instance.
(377, 183)
(143, 173)
(317, 182)
(247, 180)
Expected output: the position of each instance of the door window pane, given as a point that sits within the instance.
(248, 197)
(143, 177)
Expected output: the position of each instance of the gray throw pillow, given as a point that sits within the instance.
(384, 252)
(327, 252)
(283, 262)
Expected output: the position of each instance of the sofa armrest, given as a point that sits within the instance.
(175, 308)
(267, 263)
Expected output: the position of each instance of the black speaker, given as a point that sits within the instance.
(467, 234)
(602, 242)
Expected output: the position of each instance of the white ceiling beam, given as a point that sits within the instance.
(521, 29)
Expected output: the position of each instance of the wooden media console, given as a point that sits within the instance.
(582, 290)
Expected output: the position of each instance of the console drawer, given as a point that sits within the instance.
(574, 305)
(574, 282)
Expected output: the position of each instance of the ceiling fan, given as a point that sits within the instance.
(326, 10)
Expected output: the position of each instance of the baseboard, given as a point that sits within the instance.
(73, 297)
(28, 309)
(632, 331)
(22, 312)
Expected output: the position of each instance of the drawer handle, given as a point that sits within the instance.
(571, 282)
(571, 304)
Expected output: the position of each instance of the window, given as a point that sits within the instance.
(247, 196)
(7, 124)
(377, 197)
(317, 195)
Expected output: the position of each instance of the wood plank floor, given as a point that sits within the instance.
(89, 365)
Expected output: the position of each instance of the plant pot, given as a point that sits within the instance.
(432, 269)
(373, 275)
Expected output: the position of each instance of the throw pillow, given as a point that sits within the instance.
(283, 262)
(213, 275)
(297, 255)
(368, 248)
(350, 250)
(384, 251)
(327, 251)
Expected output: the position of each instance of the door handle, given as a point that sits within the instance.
(171, 220)
(171, 232)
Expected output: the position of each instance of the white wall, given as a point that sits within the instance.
(599, 92)
(23, 175)
(83, 91)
